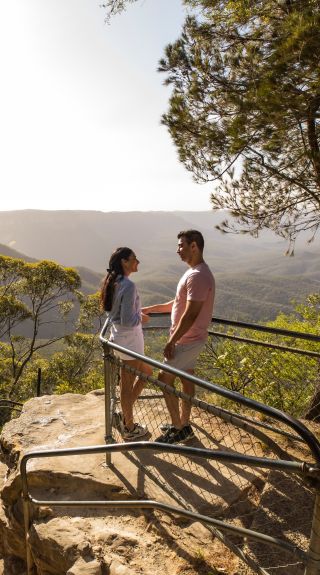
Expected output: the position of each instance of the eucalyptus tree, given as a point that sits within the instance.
(77, 367)
(42, 294)
(12, 310)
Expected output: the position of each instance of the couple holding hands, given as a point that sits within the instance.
(191, 313)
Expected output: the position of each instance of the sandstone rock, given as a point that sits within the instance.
(117, 568)
(82, 567)
(73, 540)
(12, 566)
(3, 474)
(199, 532)
(279, 515)
(56, 545)
(12, 535)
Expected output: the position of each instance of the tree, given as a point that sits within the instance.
(114, 7)
(285, 380)
(44, 294)
(77, 368)
(244, 108)
(91, 316)
(12, 311)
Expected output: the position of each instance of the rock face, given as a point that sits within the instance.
(87, 540)
(100, 540)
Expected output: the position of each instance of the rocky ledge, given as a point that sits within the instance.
(91, 541)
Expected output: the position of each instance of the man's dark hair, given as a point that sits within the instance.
(193, 236)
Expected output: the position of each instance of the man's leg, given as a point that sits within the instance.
(188, 387)
(172, 401)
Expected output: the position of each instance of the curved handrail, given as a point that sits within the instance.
(153, 504)
(297, 467)
(267, 329)
(277, 414)
(255, 327)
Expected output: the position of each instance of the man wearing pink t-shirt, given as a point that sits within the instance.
(191, 313)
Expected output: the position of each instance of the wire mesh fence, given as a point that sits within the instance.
(287, 380)
(274, 502)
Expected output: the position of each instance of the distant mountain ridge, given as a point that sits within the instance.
(11, 253)
(86, 238)
(254, 279)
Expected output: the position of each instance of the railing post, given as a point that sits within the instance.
(26, 514)
(38, 390)
(313, 565)
(26, 517)
(108, 385)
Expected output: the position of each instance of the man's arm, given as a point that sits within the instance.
(190, 314)
(158, 308)
(144, 318)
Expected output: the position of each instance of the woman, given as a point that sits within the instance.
(120, 298)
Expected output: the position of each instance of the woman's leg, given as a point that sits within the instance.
(139, 383)
(130, 389)
(126, 395)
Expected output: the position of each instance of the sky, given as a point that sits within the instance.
(80, 109)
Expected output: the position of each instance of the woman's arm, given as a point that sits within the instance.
(129, 312)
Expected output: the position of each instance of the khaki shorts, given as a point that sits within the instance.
(186, 355)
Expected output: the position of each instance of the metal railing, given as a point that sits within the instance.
(242, 475)
(29, 500)
(252, 429)
(283, 371)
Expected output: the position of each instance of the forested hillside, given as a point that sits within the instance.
(255, 280)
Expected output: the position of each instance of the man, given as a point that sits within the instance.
(191, 313)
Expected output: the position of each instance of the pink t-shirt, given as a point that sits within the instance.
(197, 284)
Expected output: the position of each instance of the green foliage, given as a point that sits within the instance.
(278, 378)
(28, 381)
(114, 7)
(244, 109)
(155, 340)
(41, 293)
(29, 292)
(10, 272)
(12, 310)
(78, 368)
(91, 315)
(281, 379)
(5, 368)
(46, 280)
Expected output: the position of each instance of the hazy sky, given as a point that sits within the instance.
(80, 108)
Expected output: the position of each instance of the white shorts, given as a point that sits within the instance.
(129, 337)
(186, 355)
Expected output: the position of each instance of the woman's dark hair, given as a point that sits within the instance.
(114, 270)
